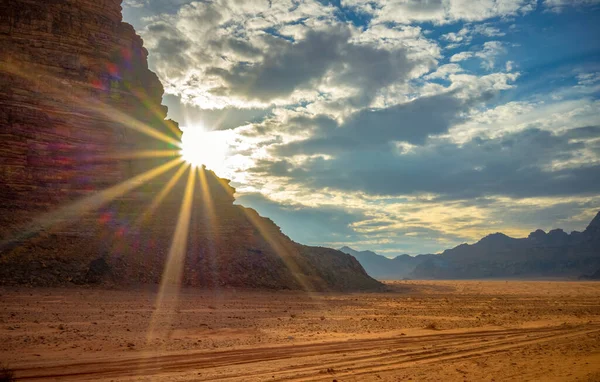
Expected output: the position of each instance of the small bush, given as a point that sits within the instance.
(432, 326)
(6, 374)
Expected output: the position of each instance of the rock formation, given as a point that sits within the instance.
(85, 196)
(555, 254)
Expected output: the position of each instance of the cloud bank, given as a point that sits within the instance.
(399, 126)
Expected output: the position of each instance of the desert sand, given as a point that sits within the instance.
(420, 331)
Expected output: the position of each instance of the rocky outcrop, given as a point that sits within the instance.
(85, 198)
(72, 74)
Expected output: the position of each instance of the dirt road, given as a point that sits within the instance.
(424, 331)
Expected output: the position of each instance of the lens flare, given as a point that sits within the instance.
(208, 148)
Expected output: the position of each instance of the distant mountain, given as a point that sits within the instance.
(384, 268)
(593, 276)
(541, 254)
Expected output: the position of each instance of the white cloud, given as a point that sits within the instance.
(444, 71)
(258, 54)
(488, 54)
(466, 34)
(510, 65)
(291, 73)
(587, 79)
(461, 56)
(440, 11)
(135, 3)
(517, 116)
(491, 49)
(560, 5)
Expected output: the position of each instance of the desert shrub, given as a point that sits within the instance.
(97, 270)
(432, 326)
(6, 374)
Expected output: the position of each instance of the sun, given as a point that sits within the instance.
(209, 148)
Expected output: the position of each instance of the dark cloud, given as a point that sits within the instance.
(169, 46)
(428, 6)
(287, 66)
(284, 69)
(583, 132)
(241, 47)
(409, 122)
(516, 165)
(369, 69)
(273, 127)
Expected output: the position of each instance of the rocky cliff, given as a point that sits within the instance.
(71, 76)
(92, 186)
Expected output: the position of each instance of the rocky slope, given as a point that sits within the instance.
(85, 199)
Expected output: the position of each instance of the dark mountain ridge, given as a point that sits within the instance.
(552, 254)
(385, 268)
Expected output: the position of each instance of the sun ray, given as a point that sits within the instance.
(151, 106)
(211, 219)
(161, 195)
(167, 298)
(204, 148)
(87, 104)
(69, 213)
(139, 154)
(127, 121)
(207, 199)
(279, 249)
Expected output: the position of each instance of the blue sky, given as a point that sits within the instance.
(397, 126)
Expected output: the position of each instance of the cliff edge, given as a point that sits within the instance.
(93, 189)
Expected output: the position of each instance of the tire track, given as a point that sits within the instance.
(352, 357)
(383, 365)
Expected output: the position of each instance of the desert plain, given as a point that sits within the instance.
(419, 331)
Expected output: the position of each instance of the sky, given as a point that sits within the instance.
(398, 126)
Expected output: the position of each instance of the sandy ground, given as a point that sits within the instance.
(423, 331)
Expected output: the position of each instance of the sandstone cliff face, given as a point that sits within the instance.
(76, 100)
(67, 69)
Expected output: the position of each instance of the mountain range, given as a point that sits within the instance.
(540, 255)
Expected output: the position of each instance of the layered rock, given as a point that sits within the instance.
(71, 74)
(77, 101)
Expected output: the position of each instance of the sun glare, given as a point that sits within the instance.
(200, 147)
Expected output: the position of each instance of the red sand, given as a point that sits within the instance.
(425, 331)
